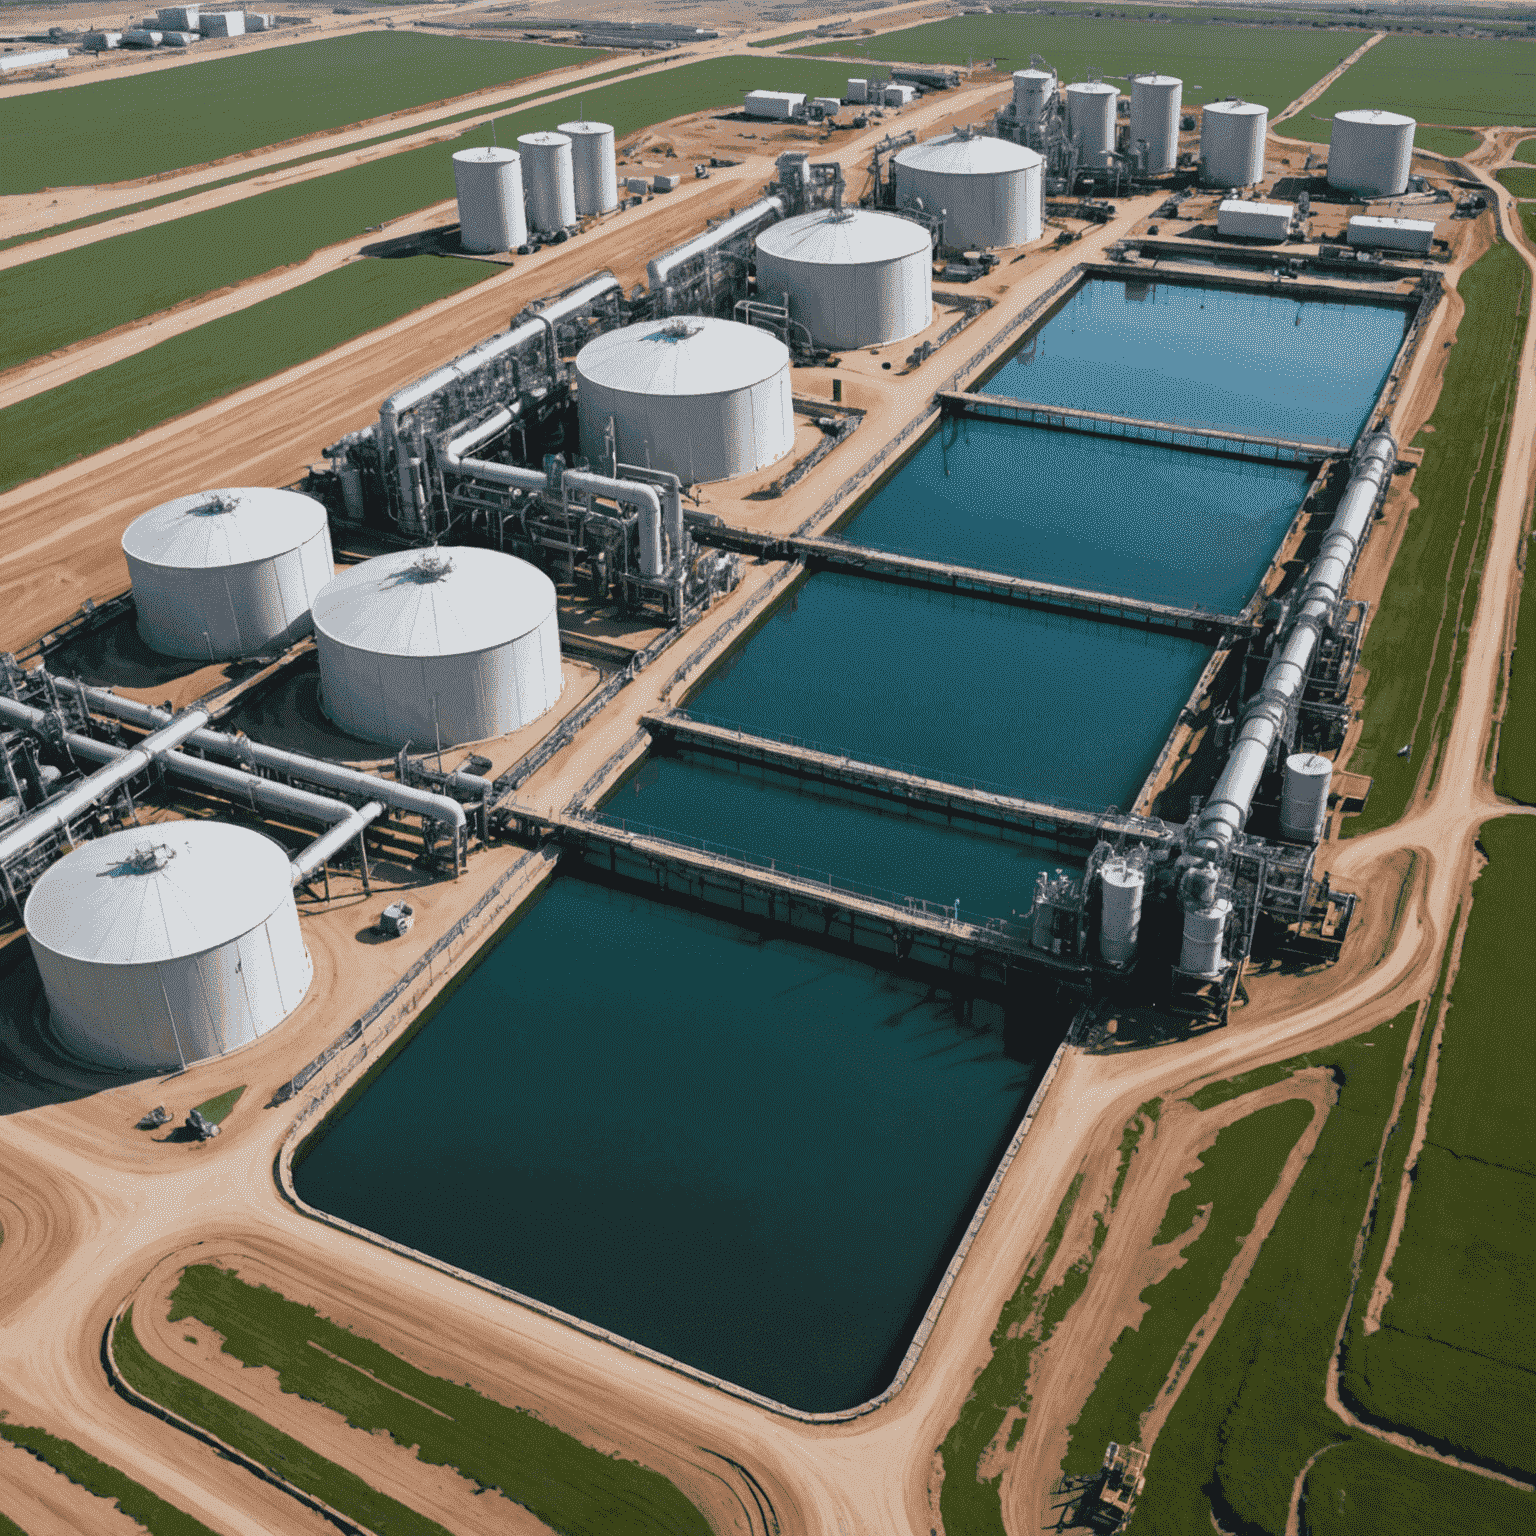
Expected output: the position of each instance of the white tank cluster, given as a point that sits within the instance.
(1032, 91)
(489, 183)
(1156, 101)
(163, 945)
(851, 277)
(229, 572)
(704, 399)
(1232, 143)
(549, 181)
(1091, 121)
(1371, 153)
(990, 193)
(594, 167)
(438, 645)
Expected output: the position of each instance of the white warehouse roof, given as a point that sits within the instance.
(437, 602)
(224, 527)
(972, 155)
(844, 237)
(695, 355)
(1373, 223)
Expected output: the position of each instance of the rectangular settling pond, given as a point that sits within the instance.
(748, 1155)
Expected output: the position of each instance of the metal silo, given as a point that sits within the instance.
(228, 573)
(489, 182)
(163, 945)
(1232, 143)
(1032, 90)
(989, 193)
(594, 167)
(1091, 121)
(549, 180)
(852, 278)
(1156, 101)
(702, 398)
(1371, 153)
(438, 645)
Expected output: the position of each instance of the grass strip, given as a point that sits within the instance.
(1418, 634)
(1526, 150)
(1519, 180)
(1445, 141)
(135, 126)
(8, 1527)
(1515, 773)
(217, 1109)
(290, 1459)
(567, 1485)
(1237, 1174)
(1143, 1120)
(135, 1500)
(187, 371)
(65, 298)
(1440, 79)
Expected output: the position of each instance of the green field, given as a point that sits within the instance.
(8, 1527)
(178, 375)
(1441, 80)
(106, 1482)
(1236, 1176)
(1519, 180)
(1515, 773)
(569, 1486)
(65, 298)
(1417, 638)
(1444, 141)
(1526, 150)
(1214, 61)
(127, 128)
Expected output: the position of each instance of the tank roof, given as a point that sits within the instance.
(1236, 108)
(974, 155)
(226, 527)
(483, 154)
(159, 892)
(1034, 74)
(543, 137)
(844, 237)
(585, 127)
(1094, 88)
(1156, 80)
(1374, 117)
(447, 601)
(686, 355)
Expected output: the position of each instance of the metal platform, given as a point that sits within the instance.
(1166, 434)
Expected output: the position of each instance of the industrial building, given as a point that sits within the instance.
(1254, 220)
(1388, 234)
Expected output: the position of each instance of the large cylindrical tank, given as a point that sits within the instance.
(549, 181)
(168, 944)
(1205, 928)
(1091, 121)
(1232, 143)
(1304, 796)
(1032, 90)
(489, 182)
(442, 645)
(1371, 153)
(1156, 101)
(1121, 884)
(854, 278)
(594, 167)
(702, 398)
(990, 193)
(228, 573)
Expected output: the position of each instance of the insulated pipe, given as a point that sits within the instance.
(329, 844)
(633, 493)
(1264, 721)
(57, 814)
(661, 268)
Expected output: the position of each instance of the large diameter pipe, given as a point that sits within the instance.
(1264, 721)
(327, 846)
(660, 269)
(632, 493)
(58, 814)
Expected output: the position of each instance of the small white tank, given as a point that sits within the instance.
(228, 573)
(1205, 928)
(1371, 153)
(1122, 885)
(1091, 121)
(549, 181)
(594, 167)
(1032, 90)
(168, 944)
(1156, 101)
(1304, 796)
(1232, 143)
(489, 183)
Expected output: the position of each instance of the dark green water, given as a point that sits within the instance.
(1284, 367)
(748, 1155)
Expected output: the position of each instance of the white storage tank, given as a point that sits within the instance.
(1032, 91)
(704, 399)
(228, 573)
(1232, 143)
(1371, 153)
(1253, 220)
(489, 183)
(1156, 101)
(1121, 884)
(1304, 796)
(438, 645)
(989, 192)
(549, 181)
(1416, 235)
(1205, 930)
(1091, 121)
(594, 167)
(854, 278)
(164, 945)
